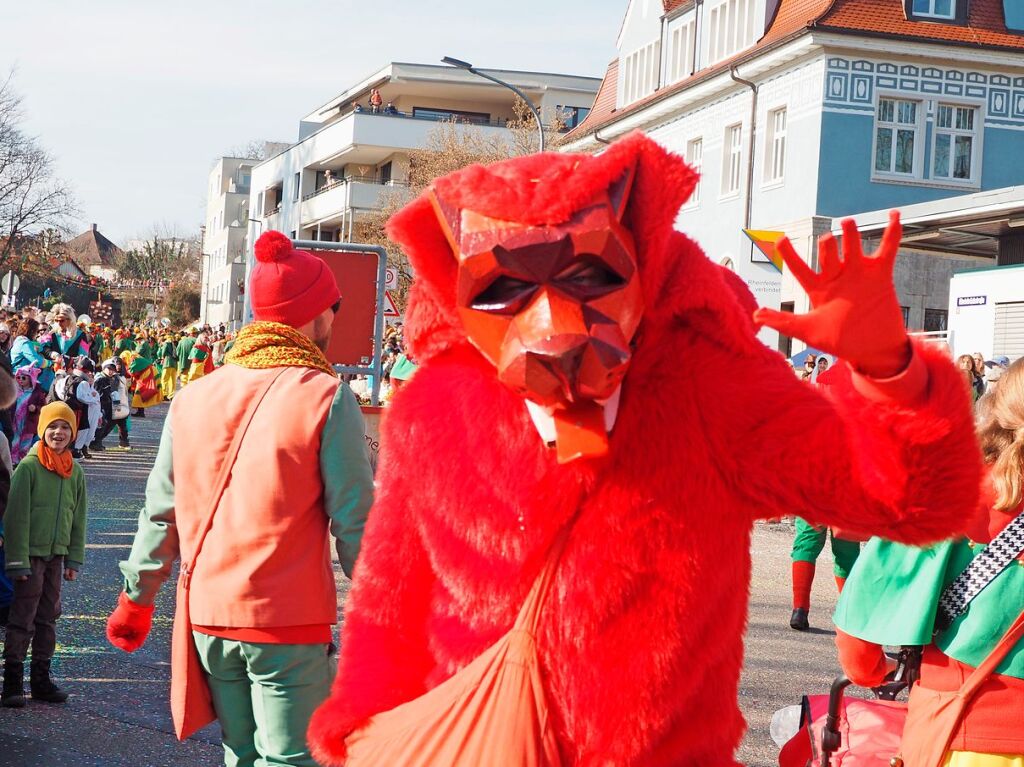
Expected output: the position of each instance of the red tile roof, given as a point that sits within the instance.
(986, 28)
(671, 5)
(986, 25)
(791, 17)
(604, 101)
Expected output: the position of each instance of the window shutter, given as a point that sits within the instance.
(1009, 330)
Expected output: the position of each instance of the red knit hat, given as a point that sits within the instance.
(287, 285)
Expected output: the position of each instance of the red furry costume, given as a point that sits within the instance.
(642, 641)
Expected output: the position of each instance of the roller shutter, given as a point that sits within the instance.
(1009, 330)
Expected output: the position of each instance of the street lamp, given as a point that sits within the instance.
(459, 64)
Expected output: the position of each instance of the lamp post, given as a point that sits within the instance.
(459, 64)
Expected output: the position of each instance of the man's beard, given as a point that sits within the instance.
(322, 342)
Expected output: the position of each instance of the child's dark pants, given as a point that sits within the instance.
(34, 612)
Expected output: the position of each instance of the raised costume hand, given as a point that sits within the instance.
(855, 314)
(129, 624)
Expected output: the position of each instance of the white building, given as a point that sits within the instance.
(224, 242)
(800, 112)
(348, 156)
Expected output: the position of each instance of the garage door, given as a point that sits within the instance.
(1009, 330)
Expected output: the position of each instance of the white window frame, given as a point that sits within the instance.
(776, 145)
(931, 12)
(695, 159)
(732, 27)
(917, 174)
(976, 133)
(682, 44)
(732, 160)
(640, 73)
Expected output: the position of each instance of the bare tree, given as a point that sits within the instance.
(160, 260)
(31, 197)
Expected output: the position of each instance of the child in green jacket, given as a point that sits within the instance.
(44, 538)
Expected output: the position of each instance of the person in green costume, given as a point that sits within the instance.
(184, 354)
(168, 359)
(125, 343)
(808, 543)
(892, 598)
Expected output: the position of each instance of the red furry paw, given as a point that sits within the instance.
(129, 624)
(330, 725)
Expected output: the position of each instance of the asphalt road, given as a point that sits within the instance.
(118, 713)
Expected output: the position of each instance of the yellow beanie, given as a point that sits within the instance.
(57, 411)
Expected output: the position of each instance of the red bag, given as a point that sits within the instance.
(880, 733)
(871, 733)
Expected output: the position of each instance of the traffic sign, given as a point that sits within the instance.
(10, 283)
(391, 282)
(390, 310)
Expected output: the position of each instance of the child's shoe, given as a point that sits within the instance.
(13, 695)
(42, 685)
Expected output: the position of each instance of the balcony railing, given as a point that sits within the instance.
(335, 183)
(494, 122)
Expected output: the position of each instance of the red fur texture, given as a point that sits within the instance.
(642, 639)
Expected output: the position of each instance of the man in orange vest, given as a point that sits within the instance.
(262, 595)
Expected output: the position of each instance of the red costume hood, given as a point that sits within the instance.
(547, 189)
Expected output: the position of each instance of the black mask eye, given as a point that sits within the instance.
(589, 277)
(504, 295)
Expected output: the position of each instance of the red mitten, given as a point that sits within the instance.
(330, 725)
(855, 314)
(129, 624)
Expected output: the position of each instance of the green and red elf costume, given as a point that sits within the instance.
(200, 361)
(124, 343)
(892, 598)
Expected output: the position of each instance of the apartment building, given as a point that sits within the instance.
(224, 242)
(800, 112)
(349, 154)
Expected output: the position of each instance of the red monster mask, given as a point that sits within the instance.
(555, 309)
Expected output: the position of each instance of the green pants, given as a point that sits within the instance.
(809, 542)
(264, 696)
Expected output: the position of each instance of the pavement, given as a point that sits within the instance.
(118, 713)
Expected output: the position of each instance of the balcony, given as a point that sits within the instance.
(370, 138)
(348, 194)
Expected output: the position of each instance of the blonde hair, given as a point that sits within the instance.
(1002, 437)
(63, 310)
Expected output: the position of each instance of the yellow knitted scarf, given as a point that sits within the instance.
(273, 345)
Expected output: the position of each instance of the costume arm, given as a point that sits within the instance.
(385, 656)
(863, 662)
(894, 458)
(156, 543)
(76, 550)
(347, 477)
(17, 522)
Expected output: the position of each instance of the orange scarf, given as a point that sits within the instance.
(61, 464)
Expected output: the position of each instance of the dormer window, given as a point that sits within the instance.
(939, 9)
(949, 11)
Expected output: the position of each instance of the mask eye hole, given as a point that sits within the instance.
(503, 296)
(589, 277)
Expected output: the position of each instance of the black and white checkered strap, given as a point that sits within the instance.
(982, 570)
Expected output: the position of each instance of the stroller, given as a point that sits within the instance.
(835, 731)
